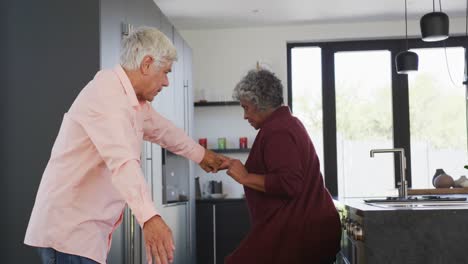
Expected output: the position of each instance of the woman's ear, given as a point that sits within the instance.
(146, 64)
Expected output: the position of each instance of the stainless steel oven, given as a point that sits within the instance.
(352, 241)
(175, 178)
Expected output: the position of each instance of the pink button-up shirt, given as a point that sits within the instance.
(94, 168)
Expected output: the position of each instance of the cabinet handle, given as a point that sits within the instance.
(189, 225)
(148, 150)
(149, 176)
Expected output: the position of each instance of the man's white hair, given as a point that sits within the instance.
(146, 41)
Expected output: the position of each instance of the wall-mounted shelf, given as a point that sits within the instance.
(244, 150)
(222, 103)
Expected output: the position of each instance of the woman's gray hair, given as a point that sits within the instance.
(262, 88)
(146, 41)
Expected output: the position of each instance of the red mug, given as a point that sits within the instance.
(242, 142)
(202, 142)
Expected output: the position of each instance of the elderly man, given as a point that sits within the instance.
(94, 168)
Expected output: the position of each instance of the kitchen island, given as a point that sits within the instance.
(403, 234)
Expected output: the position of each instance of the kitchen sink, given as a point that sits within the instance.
(446, 204)
(419, 202)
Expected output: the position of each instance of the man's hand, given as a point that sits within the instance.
(158, 241)
(212, 162)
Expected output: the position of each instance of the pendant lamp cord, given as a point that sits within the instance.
(433, 5)
(440, 5)
(406, 25)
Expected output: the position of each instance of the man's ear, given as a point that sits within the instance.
(146, 64)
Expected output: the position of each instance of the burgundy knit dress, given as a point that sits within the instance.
(295, 220)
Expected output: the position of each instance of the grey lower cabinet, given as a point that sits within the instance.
(221, 224)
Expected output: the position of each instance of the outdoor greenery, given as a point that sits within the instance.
(435, 116)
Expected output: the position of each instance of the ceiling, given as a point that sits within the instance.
(212, 14)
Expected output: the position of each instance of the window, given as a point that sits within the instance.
(437, 109)
(307, 93)
(364, 122)
(352, 88)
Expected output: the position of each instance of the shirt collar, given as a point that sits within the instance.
(279, 112)
(128, 88)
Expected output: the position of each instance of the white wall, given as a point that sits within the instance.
(223, 56)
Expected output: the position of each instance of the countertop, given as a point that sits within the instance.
(359, 207)
(432, 235)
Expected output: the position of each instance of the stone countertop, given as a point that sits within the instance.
(434, 235)
(358, 206)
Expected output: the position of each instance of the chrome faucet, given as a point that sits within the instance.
(403, 188)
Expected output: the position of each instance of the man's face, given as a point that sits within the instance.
(154, 80)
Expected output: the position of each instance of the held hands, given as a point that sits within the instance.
(236, 170)
(158, 241)
(213, 162)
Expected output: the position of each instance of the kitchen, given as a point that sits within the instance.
(221, 56)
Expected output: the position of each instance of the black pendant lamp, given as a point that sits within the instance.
(435, 25)
(406, 61)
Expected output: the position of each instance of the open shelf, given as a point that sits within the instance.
(223, 103)
(245, 150)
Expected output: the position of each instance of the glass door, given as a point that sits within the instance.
(363, 87)
(437, 105)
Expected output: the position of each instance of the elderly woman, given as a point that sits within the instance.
(292, 214)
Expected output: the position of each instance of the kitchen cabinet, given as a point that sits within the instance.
(165, 101)
(431, 234)
(174, 103)
(221, 225)
(179, 87)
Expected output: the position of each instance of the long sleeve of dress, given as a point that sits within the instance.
(283, 163)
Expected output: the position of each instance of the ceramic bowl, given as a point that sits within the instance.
(218, 195)
(444, 181)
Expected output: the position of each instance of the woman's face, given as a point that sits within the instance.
(253, 115)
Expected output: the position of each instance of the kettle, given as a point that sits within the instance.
(216, 186)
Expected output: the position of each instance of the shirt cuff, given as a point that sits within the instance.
(147, 212)
(197, 154)
(129, 181)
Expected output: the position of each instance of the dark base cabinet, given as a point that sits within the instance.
(221, 226)
(433, 234)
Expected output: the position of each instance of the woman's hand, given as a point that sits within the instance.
(237, 171)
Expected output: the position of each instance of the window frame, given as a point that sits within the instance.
(400, 95)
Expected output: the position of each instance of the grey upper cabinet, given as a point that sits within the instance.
(152, 14)
(164, 103)
(135, 12)
(112, 13)
(174, 103)
(115, 12)
(180, 104)
(166, 27)
(188, 85)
